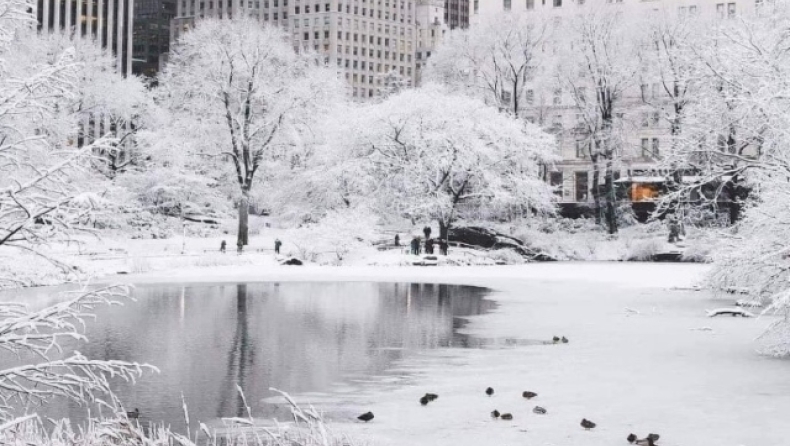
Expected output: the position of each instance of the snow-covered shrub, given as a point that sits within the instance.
(700, 245)
(334, 236)
(139, 264)
(507, 257)
(643, 250)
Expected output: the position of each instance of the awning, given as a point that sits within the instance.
(641, 179)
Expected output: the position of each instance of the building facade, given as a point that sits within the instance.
(643, 128)
(108, 21)
(456, 13)
(367, 40)
(151, 35)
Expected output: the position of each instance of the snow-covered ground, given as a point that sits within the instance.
(651, 371)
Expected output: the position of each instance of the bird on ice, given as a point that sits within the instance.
(506, 416)
(529, 395)
(367, 416)
(539, 410)
(494, 413)
(489, 391)
(587, 424)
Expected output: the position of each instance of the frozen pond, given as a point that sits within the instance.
(298, 337)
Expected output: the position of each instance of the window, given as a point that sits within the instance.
(656, 119)
(530, 97)
(720, 10)
(581, 186)
(530, 4)
(645, 148)
(655, 147)
(557, 100)
(730, 10)
(693, 10)
(505, 97)
(507, 4)
(645, 120)
(557, 3)
(555, 181)
(581, 149)
(557, 121)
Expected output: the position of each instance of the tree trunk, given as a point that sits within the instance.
(611, 209)
(611, 198)
(244, 212)
(596, 181)
(444, 229)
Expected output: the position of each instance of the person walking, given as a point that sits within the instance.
(397, 240)
(674, 229)
(277, 244)
(427, 231)
(222, 247)
(414, 245)
(239, 247)
(429, 246)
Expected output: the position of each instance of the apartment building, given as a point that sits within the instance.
(367, 40)
(643, 129)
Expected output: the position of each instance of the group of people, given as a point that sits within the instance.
(415, 246)
(223, 245)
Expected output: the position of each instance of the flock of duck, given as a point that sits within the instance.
(649, 440)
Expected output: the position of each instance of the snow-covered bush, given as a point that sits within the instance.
(644, 249)
(334, 236)
(507, 257)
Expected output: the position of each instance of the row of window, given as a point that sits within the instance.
(370, 66)
(722, 9)
(394, 56)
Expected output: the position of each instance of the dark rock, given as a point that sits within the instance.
(485, 238)
(292, 261)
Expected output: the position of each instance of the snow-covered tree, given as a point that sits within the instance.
(238, 91)
(598, 66)
(434, 155)
(392, 82)
(46, 187)
(496, 60)
(743, 120)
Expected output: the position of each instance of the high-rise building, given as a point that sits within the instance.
(151, 34)
(456, 13)
(366, 39)
(108, 21)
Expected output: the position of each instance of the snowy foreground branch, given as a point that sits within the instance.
(33, 337)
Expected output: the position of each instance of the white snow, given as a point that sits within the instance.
(644, 373)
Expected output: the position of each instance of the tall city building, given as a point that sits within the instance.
(644, 133)
(151, 35)
(367, 40)
(108, 21)
(456, 13)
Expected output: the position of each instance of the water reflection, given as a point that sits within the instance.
(298, 337)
